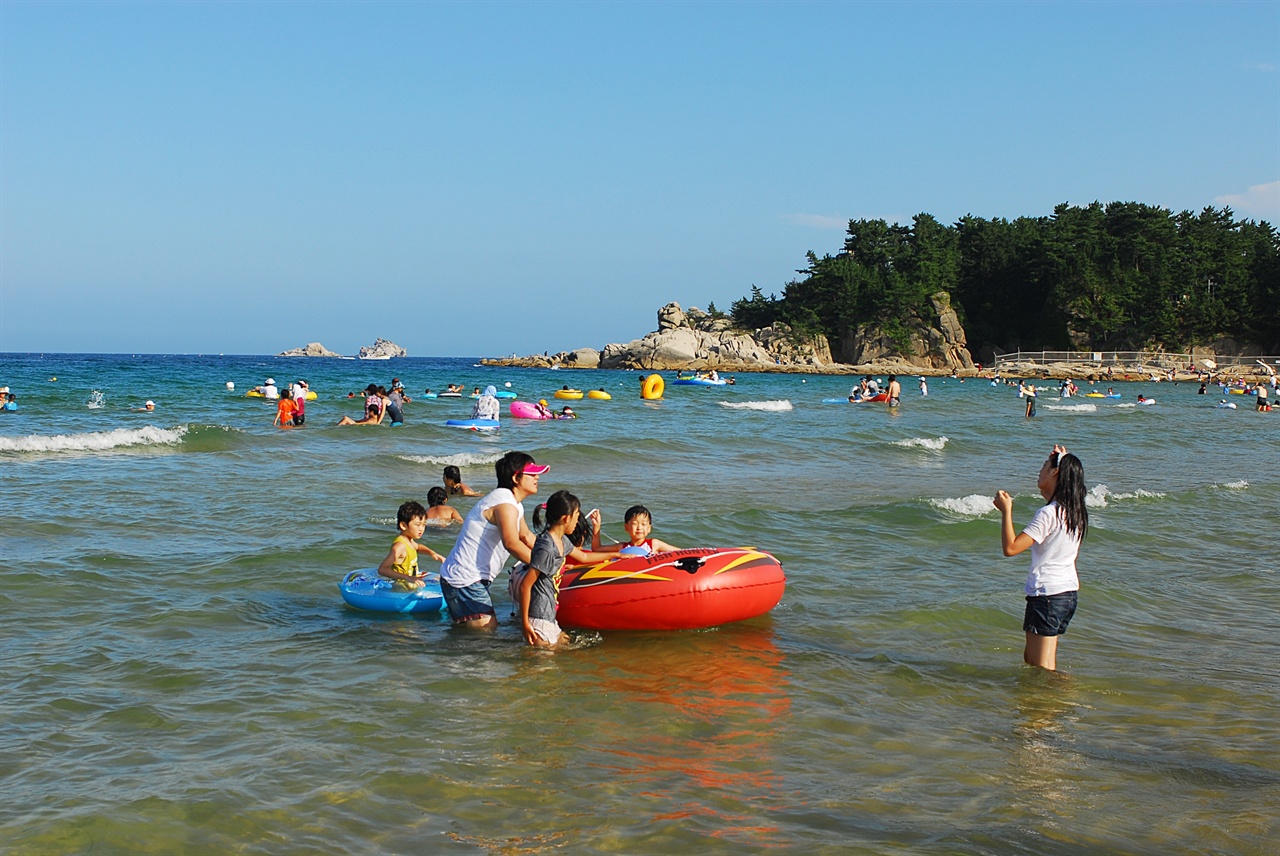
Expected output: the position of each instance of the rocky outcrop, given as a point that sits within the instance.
(382, 350)
(937, 343)
(697, 340)
(312, 349)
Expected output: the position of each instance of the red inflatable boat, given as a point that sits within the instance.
(683, 590)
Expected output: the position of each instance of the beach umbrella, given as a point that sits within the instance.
(1209, 363)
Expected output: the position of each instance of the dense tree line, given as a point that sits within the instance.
(1123, 276)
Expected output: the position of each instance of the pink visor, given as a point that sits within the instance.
(535, 469)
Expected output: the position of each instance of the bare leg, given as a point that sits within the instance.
(482, 621)
(1041, 651)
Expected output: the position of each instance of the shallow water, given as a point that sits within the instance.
(185, 678)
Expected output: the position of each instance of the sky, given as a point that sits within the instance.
(482, 179)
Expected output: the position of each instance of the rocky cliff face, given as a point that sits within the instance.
(381, 350)
(936, 344)
(313, 349)
(695, 340)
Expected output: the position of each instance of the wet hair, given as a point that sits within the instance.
(452, 473)
(410, 510)
(557, 507)
(509, 467)
(636, 511)
(437, 496)
(1070, 493)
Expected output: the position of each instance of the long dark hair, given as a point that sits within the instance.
(558, 506)
(1070, 493)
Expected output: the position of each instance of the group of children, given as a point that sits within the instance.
(1053, 537)
(535, 582)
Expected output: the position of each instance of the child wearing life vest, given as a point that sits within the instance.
(639, 524)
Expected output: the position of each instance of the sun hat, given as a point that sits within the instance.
(535, 469)
(271, 381)
(150, 404)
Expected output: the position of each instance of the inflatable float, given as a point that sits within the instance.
(474, 424)
(505, 393)
(599, 395)
(651, 388)
(682, 590)
(367, 590)
(571, 394)
(253, 393)
(528, 410)
(883, 396)
(1226, 405)
(699, 381)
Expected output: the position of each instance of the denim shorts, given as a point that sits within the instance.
(468, 602)
(1049, 614)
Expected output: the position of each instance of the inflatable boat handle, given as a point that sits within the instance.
(690, 564)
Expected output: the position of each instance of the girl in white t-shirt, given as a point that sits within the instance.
(1054, 537)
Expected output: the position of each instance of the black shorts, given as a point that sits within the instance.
(1049, 614)
(299, 418)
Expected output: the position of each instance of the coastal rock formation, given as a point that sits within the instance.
(383, 350)
(936, 344)
(312, 349)
(694, 339)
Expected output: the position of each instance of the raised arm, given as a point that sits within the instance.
(1010, 543)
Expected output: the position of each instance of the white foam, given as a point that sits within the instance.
(465, 459)
(95, 441)
(933, 444)
(1127, 404)
(973, 505)
(1235, 485)
(1100, 496)
(1072, 408)
(770, 406)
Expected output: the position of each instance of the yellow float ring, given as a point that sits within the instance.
(571, 394)
(599, 394)
(652, 387)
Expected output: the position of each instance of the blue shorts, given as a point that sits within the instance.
(1049, 614)
(467, 603)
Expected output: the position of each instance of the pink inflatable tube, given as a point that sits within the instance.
(527, 410)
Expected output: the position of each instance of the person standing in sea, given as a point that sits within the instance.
(1053, 536)
(494, 529)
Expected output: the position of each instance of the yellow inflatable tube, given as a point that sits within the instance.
(651, 387)
(599, 394)
(572, 394)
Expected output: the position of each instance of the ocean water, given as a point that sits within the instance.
(183, 677)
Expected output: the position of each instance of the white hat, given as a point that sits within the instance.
(150, 404)
(271, 381)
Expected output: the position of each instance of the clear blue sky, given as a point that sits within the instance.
(483, 178)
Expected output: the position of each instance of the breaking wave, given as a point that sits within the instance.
(95, 441)
(769, 406)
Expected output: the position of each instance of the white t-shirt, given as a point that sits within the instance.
(478, 554)
(269, 390)
(1053, 554)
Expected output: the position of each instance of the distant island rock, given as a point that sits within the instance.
(312, 349)
(697, 340)
(383, 350)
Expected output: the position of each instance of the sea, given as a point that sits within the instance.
(181, 675)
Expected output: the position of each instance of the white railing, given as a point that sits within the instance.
(1131, 359)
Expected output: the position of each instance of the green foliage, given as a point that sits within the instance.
(1124, 275)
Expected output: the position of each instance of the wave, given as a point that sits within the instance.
(463, 459)
(1235, 485)
(973, 505)
(1072, 408)
(95, 441)
(781, 406)
(933, 444)
(1100, 496)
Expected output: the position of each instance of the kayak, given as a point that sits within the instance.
(699, 381)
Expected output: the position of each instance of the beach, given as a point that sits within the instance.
(185, 677)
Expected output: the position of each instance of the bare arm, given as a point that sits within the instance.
(662, 546)
(590, 557)
(423, 548)
(516, 536)
(1011, 544)
(526, 588)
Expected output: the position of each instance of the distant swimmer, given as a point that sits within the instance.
(149, 406)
